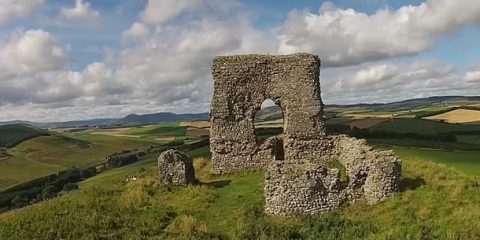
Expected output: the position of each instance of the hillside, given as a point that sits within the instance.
(45, 155)
(11, 135)
(435, 203)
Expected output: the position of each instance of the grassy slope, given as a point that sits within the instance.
(48, 154)
(11, 135)
(436, 203)
(467, 162)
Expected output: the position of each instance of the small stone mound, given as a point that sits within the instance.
(175, 168)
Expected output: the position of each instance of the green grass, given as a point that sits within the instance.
(465, 161)
(11, 135)
(435, 203)
(422, 126)
(162, 129)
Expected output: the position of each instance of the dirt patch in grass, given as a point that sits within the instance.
(197, 132)
(197, 124)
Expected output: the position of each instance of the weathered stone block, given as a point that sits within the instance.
(175, 168)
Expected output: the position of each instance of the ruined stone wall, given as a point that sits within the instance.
(311, 185)
(300, 178)
(241, 84)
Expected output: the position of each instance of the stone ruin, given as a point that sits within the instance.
(303, 165)
(175, 168)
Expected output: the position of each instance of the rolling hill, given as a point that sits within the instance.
(11, 135)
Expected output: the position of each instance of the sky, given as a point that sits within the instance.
(78, 59)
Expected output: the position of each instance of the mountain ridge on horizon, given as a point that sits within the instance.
(152, 118)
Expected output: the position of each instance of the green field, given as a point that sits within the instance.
(435, 203)
(465, 161)
(163, 129)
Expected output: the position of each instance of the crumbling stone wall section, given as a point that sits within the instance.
(241, 84)
(175, 168)
(311, 185)
(303, 166)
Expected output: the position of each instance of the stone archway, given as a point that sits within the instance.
(241, 84)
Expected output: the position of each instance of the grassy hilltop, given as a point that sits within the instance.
(435, 203)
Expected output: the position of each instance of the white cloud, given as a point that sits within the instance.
(11, 9)
(137, 31)
(472, 76)
(390, 82)
(168, 69)
(162, 11)
(345, 37)
(81, 11)
(30, 52)
(159, 11)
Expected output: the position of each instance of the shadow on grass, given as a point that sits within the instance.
(411, 183)
(218, 184)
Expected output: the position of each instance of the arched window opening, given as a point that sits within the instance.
(268, 121)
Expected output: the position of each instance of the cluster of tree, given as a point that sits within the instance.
(11, 135)
(117, 161)
(384, 134)
(43, 188)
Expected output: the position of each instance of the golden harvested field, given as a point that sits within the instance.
(197, 124)
(458, 116)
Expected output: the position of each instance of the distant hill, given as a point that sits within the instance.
(11, 135)
(266, 114)
(132, 119)
(411, 103)
(274, 112)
